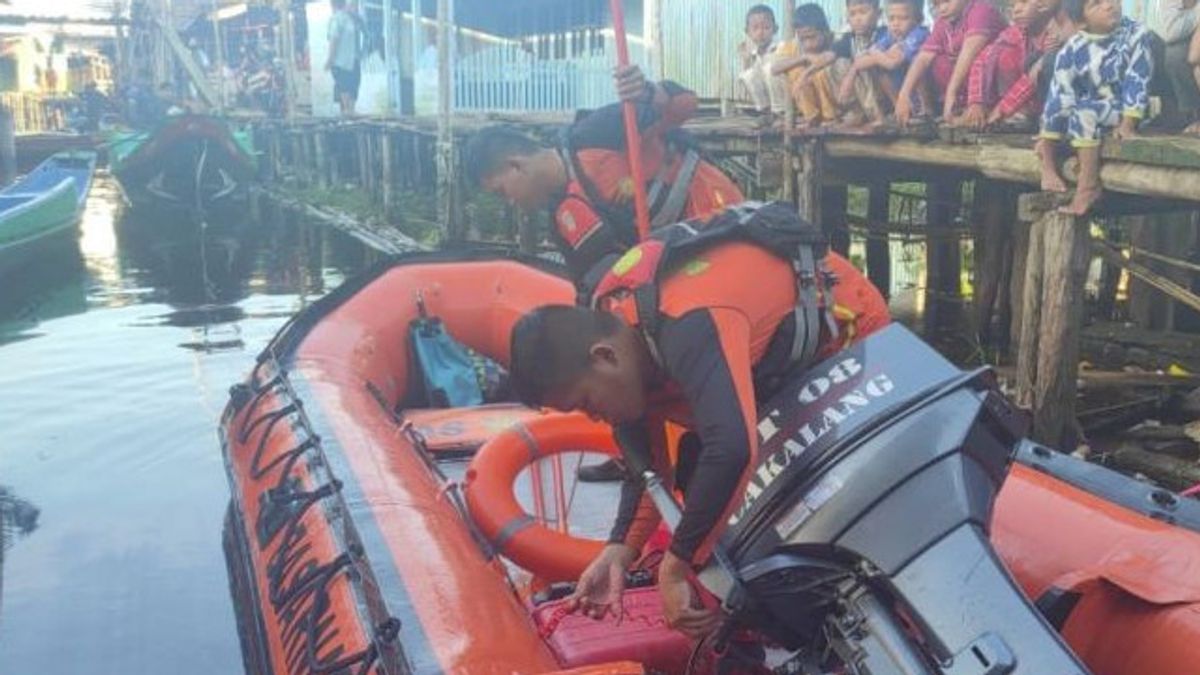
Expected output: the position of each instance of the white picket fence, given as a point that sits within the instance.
(565, 71)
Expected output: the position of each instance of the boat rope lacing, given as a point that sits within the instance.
(299, 585)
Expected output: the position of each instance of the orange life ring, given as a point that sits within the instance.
(549, 554)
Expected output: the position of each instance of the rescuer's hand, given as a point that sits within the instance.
(601, 584)
(631, 84)
(680, 606)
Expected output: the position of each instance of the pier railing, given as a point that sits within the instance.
(558, 71)
(32, 112)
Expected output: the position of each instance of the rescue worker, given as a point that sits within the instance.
(724, 338)
(586, 183)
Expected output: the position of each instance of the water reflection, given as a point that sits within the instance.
(51, 288)
(18, 518)
(118, 350)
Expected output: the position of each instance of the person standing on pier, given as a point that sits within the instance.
(342, 60)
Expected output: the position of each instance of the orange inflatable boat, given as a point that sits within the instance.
(352, 550)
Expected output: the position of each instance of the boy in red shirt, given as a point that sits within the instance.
(963, 28)
(1003, 80)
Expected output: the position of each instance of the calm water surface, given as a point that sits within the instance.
(116, 353)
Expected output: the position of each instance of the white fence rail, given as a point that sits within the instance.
(564, 71)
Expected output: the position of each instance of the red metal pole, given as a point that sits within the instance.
(632, 139)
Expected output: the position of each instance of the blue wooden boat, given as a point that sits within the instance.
(43, 206)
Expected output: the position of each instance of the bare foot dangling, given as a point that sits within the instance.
(1052, 181)
(1082, 202)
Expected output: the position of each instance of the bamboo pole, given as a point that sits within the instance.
(633, 144)
(1165, 285)
(1168, 260)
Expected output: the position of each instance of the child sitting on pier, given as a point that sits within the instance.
(887, 61)
(802, 59)
(962, 29)
(1100, 79)
(768, 92)
(858, 94)
(1003, 81)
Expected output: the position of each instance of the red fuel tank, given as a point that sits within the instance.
(641, 634)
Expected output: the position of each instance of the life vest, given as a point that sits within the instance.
(774, 226)
(666, 200)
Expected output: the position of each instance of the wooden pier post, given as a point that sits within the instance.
(372, 162)
(835, 200)
(388, 156)
(527, 234)
(320, 159)
(1052, 318)
(360, 153)
(335, 142)
(1016, 284)
(808, 180)
(299, 166)
(879, 259)
(992, 216)
(788, 170)
(943, 257)
(8, 146)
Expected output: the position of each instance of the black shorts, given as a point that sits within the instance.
(346, 82)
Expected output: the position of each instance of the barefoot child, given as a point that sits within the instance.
(963, 28)
(1003, 81)
(1099, 82)
(857, 92)
(887, 61)
(756, 52)
(803, 60)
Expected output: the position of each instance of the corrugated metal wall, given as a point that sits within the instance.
(572, 69)
(700, 38)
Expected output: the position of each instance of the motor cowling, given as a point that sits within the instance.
(878, 472)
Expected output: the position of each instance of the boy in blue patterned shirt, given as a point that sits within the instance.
(1099, 82)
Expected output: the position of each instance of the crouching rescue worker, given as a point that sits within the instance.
(586, 183)
(585, 180)
(696, 328)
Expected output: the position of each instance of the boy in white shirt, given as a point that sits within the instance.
(768, 92)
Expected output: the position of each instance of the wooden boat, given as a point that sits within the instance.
(351, 548)
(190, 164)
(43, 206)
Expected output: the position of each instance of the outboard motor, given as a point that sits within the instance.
(862, 541)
